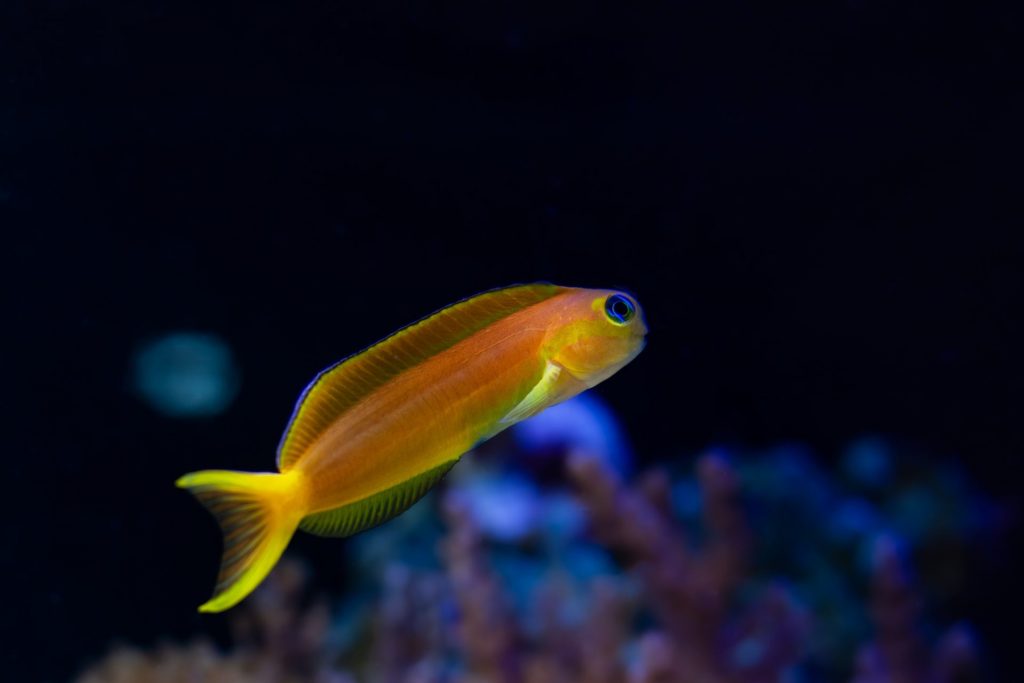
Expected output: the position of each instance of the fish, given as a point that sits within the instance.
(373, 433)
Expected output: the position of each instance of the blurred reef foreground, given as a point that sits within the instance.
(537, 562)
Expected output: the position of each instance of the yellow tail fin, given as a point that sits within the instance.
(258, 514)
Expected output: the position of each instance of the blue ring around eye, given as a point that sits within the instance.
(619, 309)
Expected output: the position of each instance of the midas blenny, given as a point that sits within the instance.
(373, 433)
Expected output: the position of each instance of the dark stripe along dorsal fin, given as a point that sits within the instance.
(376, 509)
(347, 382)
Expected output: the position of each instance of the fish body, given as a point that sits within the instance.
(373, 433)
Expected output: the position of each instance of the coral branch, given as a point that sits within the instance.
(691, 592)
(685, 610)
(487, 633)
(897, 654)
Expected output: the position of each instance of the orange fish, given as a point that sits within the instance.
(373, 433)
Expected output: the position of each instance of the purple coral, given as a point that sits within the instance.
(278, 641)
(487, 633)
(557, 608)
(693, 592)
(898, 653)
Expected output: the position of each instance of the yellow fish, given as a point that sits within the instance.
(373, 433)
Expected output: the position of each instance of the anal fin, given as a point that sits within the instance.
(376, 509)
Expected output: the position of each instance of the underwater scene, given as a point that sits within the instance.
(532, 342)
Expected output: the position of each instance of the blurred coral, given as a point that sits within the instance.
(691, 592)
(487, 631)
(198, 662)
(277, 641)
(755, 570)
(897, 653)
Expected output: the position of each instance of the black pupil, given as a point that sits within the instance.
(619, 309)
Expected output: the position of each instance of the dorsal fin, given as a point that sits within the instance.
(345, 383)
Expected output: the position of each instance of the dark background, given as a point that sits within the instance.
(817, 205)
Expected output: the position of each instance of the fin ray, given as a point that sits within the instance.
(538, 398)
(376, 509)
(257, 522)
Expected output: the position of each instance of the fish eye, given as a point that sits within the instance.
(619, 309)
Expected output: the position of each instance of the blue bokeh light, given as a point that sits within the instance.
(582, 423)
(186, 374)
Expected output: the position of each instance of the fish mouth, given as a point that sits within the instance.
(640, 336)
(640, 343)
(642, 331)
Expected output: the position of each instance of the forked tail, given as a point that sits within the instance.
(258, 514)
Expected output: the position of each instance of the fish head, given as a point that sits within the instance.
(598, 332)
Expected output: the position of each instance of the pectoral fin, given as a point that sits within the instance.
(552, 388)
